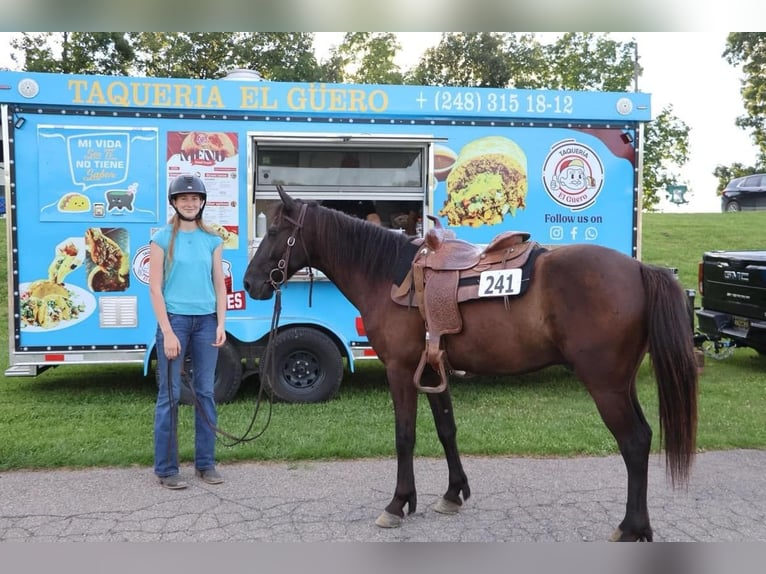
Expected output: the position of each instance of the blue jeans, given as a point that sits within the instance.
(196, 334)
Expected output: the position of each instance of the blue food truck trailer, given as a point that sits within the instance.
(88, 160)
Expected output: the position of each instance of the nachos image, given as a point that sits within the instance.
(488, 180)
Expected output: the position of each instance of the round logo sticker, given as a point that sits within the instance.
(573, 175)
(141, 264)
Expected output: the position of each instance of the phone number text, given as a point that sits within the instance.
(502, 103)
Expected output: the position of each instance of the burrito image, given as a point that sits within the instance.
(488, 180)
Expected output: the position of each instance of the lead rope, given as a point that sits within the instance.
(267, 355)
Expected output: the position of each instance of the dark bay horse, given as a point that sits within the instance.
(589, 307)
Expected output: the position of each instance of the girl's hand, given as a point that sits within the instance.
(220, 337)
(172, 346)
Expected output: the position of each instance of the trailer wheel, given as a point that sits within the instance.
(308, 367)
(228, 376)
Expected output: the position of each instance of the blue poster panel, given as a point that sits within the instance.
(98, 174)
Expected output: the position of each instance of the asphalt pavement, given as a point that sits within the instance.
(513, 500)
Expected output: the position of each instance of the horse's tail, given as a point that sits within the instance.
(671, 347)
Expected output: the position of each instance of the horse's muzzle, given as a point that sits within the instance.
(259, 291)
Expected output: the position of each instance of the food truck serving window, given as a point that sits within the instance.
(338, 167)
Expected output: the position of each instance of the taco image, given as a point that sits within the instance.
(67, 260)
(109, 264)
(74, 202)
(46, 303)
(488, 180)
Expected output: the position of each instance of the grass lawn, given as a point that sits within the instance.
(79, 416)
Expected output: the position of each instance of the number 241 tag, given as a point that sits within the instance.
(499, 282)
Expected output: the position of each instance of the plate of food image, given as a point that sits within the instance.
(487, 181)
(49, 306)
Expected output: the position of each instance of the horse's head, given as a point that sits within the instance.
(281, 252)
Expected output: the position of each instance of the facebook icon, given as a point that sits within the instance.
(573, 233)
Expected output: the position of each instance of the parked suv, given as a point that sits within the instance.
(745, 193)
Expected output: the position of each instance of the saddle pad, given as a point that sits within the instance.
(526, 273)
(404, 262)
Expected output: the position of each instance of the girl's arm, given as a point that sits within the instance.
(156, 278)
(220, 295)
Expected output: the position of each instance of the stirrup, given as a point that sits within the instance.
(419, 373)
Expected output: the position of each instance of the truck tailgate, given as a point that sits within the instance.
(735, 283)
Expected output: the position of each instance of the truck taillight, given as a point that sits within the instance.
(360, 327)
(699, 278)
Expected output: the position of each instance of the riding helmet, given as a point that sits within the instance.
(186, 184)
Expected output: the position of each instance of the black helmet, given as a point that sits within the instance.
(186, 184)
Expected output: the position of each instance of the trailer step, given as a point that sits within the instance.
(22, 371)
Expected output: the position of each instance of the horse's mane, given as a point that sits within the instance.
(372, 249)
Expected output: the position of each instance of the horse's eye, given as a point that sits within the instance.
(272, 232)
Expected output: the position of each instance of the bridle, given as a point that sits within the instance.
(278, 275)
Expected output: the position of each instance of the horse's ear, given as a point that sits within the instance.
(286, 199)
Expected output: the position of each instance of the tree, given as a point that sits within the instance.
(586, 61)
(368, 58)
(666, 145)
(275, 56)
(748, 49)
(108, 53)
(465, 59)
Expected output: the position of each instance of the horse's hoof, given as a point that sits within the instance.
(388, 520)
(444, 506)
(616, 535)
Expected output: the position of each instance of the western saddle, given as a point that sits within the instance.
(445, 272)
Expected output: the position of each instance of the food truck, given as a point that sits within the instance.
(89, 158)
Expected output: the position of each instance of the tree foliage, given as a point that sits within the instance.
(665, 145)
(281, 56)
(465, 59)
(368, 58)
(75, 52)
(748, 49)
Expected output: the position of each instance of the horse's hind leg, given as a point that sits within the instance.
(444, 419)
(623, 416)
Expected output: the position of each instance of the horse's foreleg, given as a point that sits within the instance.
(444, 418)
(405, 399)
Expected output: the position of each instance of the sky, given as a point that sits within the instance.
(682, 69)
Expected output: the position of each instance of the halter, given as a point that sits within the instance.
(278, 275)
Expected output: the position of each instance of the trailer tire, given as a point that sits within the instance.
(308, 367)
(228, 376)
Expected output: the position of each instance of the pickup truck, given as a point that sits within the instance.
(732, 313)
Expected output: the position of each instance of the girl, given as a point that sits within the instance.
(188, 296)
